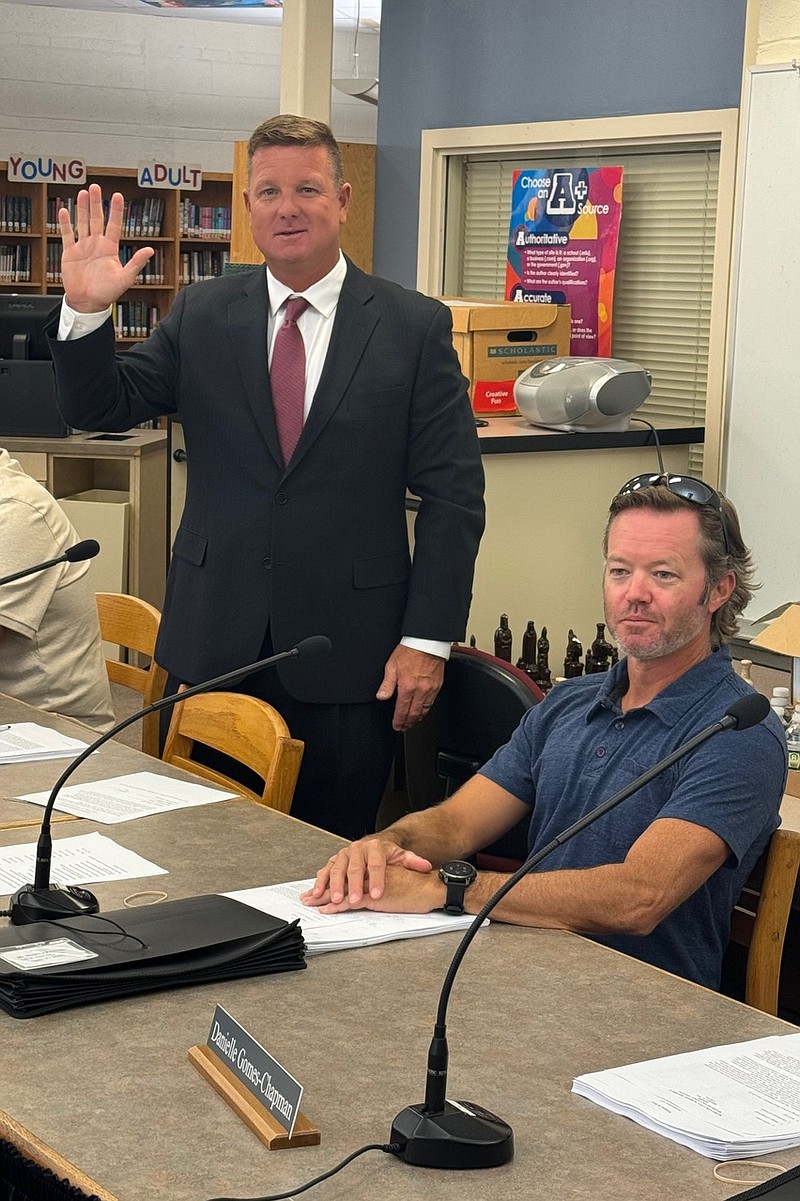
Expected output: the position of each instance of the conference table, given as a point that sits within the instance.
(106, 1096)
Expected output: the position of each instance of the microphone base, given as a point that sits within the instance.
(462, 1136)
(32, 904)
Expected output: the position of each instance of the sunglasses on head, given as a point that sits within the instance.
(685, 486)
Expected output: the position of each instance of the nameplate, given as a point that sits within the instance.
(186, 176)
(253, 1067)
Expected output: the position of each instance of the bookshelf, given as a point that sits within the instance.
(189, 231)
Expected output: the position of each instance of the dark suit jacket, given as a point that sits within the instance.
(321, 546)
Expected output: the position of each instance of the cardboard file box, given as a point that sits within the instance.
(103, 514)
(497, 340)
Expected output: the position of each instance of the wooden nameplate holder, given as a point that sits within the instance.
(249, 1109)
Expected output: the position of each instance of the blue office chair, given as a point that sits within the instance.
(481, 703)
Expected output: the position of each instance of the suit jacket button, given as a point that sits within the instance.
(266, 563)
(281, 498)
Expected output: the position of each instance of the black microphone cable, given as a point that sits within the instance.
(387, 1148)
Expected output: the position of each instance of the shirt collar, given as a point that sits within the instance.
(671, 704)
(323, 295)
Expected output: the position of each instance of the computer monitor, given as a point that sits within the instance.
(22, 323)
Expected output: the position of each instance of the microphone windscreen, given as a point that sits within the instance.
(748, 710)
(317, 644)
(82, 550)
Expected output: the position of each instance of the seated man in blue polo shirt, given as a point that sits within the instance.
(658, 876)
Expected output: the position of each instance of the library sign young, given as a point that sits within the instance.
(42, 168)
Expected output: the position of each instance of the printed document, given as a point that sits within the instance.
(82, 859)
(726, 1102)
(338, 931)
(124, 797)
(27, 742)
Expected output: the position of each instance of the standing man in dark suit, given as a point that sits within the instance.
(288, 533)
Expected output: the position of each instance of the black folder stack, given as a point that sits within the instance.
(199, 940)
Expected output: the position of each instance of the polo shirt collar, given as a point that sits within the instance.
(671, 704)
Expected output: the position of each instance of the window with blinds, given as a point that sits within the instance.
(665, 258)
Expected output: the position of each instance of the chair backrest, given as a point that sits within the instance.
(761, 915)
(132, 623)
(481, 703)
(245, 729)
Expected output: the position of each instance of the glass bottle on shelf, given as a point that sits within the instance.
(503, 639)
(793, 744)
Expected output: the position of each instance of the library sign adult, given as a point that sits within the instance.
(186, 176)
(42, 168)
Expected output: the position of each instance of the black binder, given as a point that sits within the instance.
(785, 1187)
(194, 941)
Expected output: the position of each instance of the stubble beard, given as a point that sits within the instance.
(666, 642)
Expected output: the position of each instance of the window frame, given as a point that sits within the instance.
(441, 194)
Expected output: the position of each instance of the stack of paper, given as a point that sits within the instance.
(25, 742)
(726, 1102)
(339, 931)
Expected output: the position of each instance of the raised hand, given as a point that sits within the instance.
(91, 270)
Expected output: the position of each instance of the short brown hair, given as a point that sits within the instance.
(716, 560)
(289, 130)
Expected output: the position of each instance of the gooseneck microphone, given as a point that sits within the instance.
(43, 901)
(460, 1134)
(75, 554)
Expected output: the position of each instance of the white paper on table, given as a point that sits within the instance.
(726, 1102)
(338, 931)
(25, 741)
(82, 859)
(122, 798)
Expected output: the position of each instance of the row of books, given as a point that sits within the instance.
(52, 270)
(15, 215)
(204, 220)
(54, 203)
(196, 265)
(134, 318)
(144, 217)
(15, 264)
(153, 272)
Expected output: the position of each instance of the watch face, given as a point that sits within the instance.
(457, 870)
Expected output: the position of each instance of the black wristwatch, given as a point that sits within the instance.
(458, 876)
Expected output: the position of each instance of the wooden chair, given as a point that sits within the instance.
(761, 916)
(243, 728)
(132, 623)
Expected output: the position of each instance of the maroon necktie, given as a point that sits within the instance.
(287, 377)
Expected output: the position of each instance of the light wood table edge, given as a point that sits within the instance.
(45, 1157)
